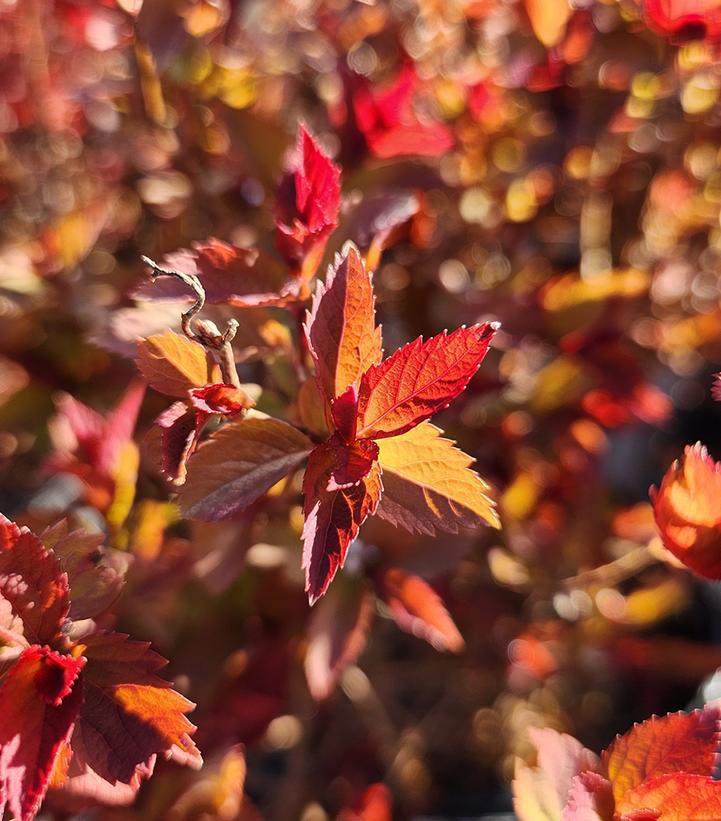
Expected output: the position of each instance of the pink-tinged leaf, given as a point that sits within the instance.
(179, 434)
(716, 387)
(687, 511)
(589, 799)
(34, 599)
(419, 379)
(672, 797)
(340, 326)
(428, 485)
(238, 464)
(377, 221)
(417, 609)
(307, 206)
(332, 518)
(243, 277)
(220, 398)
(82, 435)
(542, 791)
(129, 714)
(337, 635)
(96, 575)
(40, 699)
(678, 742)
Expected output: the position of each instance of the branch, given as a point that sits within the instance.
(205, 332)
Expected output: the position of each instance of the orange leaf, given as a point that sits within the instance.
(688, 514)
(673, 797)
(419, 379)
(342, 335)
(548, 19)
(678, 742)
(238, 464)
(129, 713)
(428, 486)
(417, 609)
(172, 364)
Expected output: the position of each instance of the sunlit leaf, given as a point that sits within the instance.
(428, 484)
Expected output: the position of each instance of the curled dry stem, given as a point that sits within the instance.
(203, 331)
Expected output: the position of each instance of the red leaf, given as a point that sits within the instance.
(419, 379)
(332, 518)
(678, 742)
(351, 462)
(687, 511)
(684, 19)
(220, 398)
(337, 635)
(129, 714)
(243, 277)
(33, 587)
(342, 335)
(390, 125)
(417, 609)
(672, 797)
(39, 701)
(179, 434)
(307, 207)
(376, 804)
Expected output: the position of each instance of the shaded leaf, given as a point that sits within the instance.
(419, 379)
(238, 464)
(243, 277)
(96, 575)
(428, 485)
(337, 635)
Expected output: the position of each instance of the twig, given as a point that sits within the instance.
(205, 332)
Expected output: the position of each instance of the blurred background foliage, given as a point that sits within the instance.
(563, 165)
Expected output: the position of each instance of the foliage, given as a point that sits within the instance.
(391, 580)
